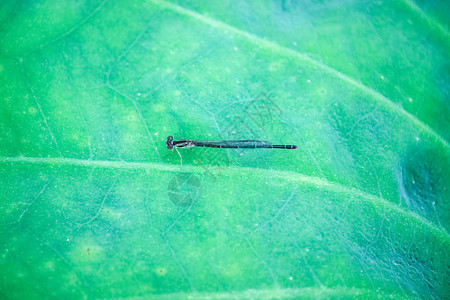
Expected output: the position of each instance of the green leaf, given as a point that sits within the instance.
(93, 205)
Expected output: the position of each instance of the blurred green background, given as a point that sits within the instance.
(92, 204)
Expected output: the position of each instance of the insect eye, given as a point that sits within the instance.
(169, 142)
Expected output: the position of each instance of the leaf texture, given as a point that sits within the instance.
(93, 205)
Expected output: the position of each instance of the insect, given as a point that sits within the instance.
(230, 144)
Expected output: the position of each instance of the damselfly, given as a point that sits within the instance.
(230, 144)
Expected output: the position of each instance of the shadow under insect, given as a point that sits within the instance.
(184, 189)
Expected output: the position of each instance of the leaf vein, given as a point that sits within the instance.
(70, 30)
(279, 174)
(376, 95)
(432, 22)
(38, 104)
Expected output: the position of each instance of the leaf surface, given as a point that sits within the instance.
(93, 205)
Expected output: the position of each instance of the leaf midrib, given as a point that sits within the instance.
(316, 182)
